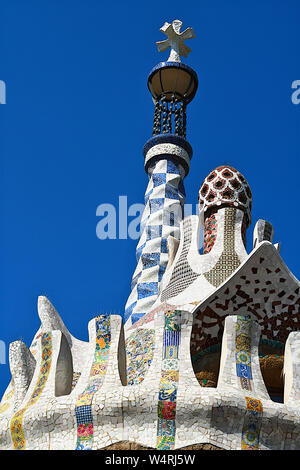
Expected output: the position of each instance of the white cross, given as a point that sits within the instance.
(175, 40)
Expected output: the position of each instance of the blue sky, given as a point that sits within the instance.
(78, 113)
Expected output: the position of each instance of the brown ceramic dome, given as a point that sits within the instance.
(225, 186)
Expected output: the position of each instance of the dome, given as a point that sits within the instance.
(225, 186)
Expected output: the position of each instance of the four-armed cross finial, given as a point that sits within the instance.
(175, 40)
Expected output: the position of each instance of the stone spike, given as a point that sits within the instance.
(49, 317)
(22, 365)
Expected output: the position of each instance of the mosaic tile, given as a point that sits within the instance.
(229, 260)
(139, 353)
(164, 200)
(253, 415)
(83, 409)
(252, 424)
(166, 427)
(16, 426)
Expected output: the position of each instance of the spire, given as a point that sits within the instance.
(167, 157)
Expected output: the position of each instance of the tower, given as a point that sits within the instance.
(189, 313)
(167, 156)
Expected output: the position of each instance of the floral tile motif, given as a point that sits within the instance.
(139, 352)
(252, 424)
(16, 426)
(254, 409)
(166, 425)
(243, 351)
(210, 233)
(83, 410)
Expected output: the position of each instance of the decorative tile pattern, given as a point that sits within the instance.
(139, 351)
(243, 351)
(263, 288)
(182, 275)
(16, 427)
(149, 317)
(166, 426)
(210, 233)
(226, 186)
(228, 261)
(254, 409)
(83, 410)
(252, 424)
(164, 202)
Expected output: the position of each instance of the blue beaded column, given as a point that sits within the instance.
(167, 160)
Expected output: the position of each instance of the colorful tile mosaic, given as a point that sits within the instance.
(83, 410)
(210, 233)
(139, 352)
(16, 426)
(252, 424)
(225, 185)
(253, 288)
(182, 274)
(254, 409)
(243, 351)
(228, 261)
(145, 319)
(166, 426)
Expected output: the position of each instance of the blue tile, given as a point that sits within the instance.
(147, 196)
(146, 289)
(172, 167)
(139, 251)
(136, 316)
(135, 280)
(171, 192)
(161, 272)
(164, 246)
(150, 259)
(83, 414)
(128, 311)
(243, 371)
(158, 179)
(156, 204)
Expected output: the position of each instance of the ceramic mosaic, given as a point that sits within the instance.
(139, 351)
(254, 409)
(210, 233)
(225, 185)
(149, 317)
(229, 260)
(182, 274)
(224, 301)
(166, 426)
(252, 424)
(164, 200)
(243, 351)
(16, 426)
(265, 289)
(83, 410)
